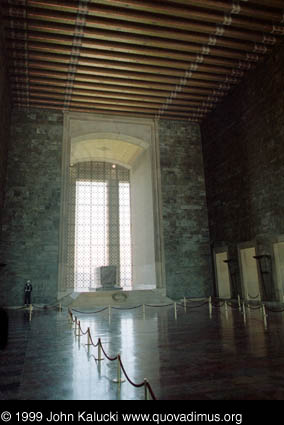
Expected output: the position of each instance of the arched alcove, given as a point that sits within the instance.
(108, 147)
(132, 144)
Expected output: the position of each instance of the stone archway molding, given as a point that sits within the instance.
(138, 134)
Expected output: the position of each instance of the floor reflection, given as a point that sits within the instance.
(187, 357)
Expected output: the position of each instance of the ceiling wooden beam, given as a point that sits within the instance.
(191, 92)
(124, 47)
(118, 79)
(17, 54)
(154, 12)
(93, 72)
(39, 21)
(131, 39)
(58, 108)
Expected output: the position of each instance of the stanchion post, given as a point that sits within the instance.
(79, 330)
(244, 313)
(100, 358)
(143, 309)
(118, 379)
(239, 302)
(89, 337)
(264, 316)
(175, 309)
(146, 397)
(226, 309)
(59, 307)
(210, 306)
(30, 312)
(88, 342)
(184, 303)
(109, 314)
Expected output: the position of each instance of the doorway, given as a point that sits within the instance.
(249, 273)
(222, 274)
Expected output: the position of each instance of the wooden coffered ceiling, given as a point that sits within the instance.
(174, 59)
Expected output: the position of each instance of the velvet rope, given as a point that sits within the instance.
(109, 358)
(90, 312)
(253, 298)
(127, 377)
(127, 308)
(113, 358)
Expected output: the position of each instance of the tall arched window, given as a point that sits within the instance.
(99, 229)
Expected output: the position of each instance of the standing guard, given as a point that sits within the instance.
(28, 291)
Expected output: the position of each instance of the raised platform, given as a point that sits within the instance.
(87, 300)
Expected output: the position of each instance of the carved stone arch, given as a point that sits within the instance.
(118, 148)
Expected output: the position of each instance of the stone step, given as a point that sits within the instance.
(87, 300)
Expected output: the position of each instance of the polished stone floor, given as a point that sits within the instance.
(190, 357)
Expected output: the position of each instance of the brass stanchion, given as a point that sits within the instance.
(239, 302)
(249, 312)
(100, 358)
(109, 314)
(264, 316)
(226, 310)
(89, 340)
(244, 313)
(78, 328)
(30, 312)
(210, 307)
(118, 379)
(146, 389)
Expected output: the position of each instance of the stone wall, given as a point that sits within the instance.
(243, 144)
(185, 221)
(32, 206)
(4, 120)
(243, 147)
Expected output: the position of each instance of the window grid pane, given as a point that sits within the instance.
(99, 228)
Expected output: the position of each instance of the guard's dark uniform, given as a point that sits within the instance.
(28, 291)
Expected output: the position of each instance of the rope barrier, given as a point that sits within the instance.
(103, 350)
(194, 300)
(254, 298)
(274, 311)
(148, 386)
(197, 306)
(126, 308)
(78, 331)
(83, 333)
(257, 307)
(233, 306)
(127, 377)
(120, 366)
(221, 304)
(90, 312)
